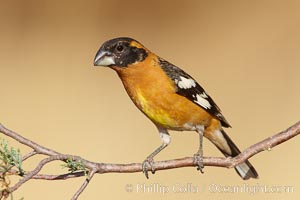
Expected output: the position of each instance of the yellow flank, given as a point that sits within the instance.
(156, 114)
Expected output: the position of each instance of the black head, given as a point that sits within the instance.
(120, 52)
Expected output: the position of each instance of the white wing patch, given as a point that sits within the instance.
(202, 101)
(185, 83)
(204, 95)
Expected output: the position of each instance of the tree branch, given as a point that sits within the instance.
(100, 168)
(85, 183)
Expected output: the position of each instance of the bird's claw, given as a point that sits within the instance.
(198, 159)
(148, 163)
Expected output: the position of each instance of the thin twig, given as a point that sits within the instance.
(38, 168)
(38, 148)
(85, 183)
(59, 177)
(29, 155)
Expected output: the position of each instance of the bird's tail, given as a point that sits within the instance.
(245, 169)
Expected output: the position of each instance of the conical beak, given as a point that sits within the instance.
(104, 58)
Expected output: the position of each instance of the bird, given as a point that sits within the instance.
(170, 98)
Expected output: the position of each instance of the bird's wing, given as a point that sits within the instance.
(189, 88)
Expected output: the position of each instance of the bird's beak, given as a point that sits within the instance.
(104, 58)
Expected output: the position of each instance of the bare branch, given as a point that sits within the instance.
(29, 155)
(83, 186)
(38, 168)
(38, 148)
(101, 168)
(59, 177)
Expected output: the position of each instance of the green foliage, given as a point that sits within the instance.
(9, 158)
(75, 166)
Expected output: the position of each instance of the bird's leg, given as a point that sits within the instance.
(148, 162)
(198, 157)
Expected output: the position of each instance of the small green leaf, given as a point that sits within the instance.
(75, 166)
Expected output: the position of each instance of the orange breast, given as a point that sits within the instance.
(154, 94)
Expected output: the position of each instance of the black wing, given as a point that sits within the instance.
(189, 88)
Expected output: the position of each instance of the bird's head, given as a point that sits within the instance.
(120, 52)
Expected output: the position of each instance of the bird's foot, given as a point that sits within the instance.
(198, 159)
(146, 165)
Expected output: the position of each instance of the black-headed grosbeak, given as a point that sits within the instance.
(170, 98)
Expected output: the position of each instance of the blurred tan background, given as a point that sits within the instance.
(244, 53)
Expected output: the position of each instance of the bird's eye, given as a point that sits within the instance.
(120, 48)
